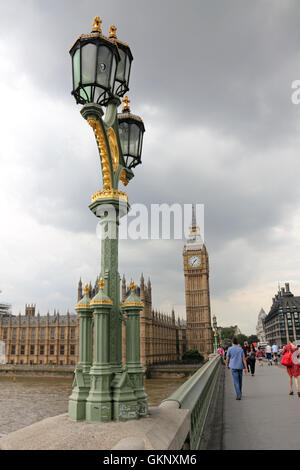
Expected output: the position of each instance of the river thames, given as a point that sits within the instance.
(25, 400)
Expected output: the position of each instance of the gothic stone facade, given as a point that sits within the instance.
(48, 339)
(162, 337)
(53, 339)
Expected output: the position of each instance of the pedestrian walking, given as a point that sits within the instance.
(260, 356)
(246, 349)
(252, 359)
(293, 369)
(275, 353)
(269, 354)
(235, 360)
(221, 352)
(225, 353)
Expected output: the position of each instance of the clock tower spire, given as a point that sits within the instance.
(196, 274)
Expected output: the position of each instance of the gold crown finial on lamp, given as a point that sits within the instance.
(112, 32)
(101, 283)
(132, 286)
(86, 289)
(126, 102)
(97, 25)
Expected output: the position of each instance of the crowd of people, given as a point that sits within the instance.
(243, 358)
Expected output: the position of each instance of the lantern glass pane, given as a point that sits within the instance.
(121, 66)
(113, 72)
(85, 93)
(88, 57)
(124, 136)
(134, 140)
(104, 66)
(127, 70)
(129, 162)
(76, 68)
(97, 94)
(141, 143)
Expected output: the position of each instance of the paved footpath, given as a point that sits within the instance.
(267, 417)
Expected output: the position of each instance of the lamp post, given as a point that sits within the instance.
(215, 334)
(101, 70)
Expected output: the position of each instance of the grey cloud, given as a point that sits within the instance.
(225, 67)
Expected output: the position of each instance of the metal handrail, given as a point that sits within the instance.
(195, 395)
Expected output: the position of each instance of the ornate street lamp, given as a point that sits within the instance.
(104, 388)
(131, 130)
(215, 334)
(95, 59)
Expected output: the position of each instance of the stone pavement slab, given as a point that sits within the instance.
(166, 427)
(267, 417)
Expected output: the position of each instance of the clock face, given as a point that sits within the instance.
(194, 261)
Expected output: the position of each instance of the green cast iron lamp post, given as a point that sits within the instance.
(104, 388)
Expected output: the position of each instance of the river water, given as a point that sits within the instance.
(30, 399)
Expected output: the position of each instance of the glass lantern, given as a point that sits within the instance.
(131, 131)
(95, 59)
(124, 65)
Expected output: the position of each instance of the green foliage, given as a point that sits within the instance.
(241, 338)
(253, 339)
(227, 335)
(192, 355)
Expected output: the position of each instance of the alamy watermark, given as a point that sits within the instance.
(295, 96)
(151, 222)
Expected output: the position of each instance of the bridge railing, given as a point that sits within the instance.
(196, 395)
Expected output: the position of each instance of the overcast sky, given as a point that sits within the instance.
(212, 81)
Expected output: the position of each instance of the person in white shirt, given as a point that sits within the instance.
(275, 353)
(269, 354)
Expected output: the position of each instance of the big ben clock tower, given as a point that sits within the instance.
(196, 274)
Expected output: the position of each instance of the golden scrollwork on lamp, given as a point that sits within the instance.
(114, 149)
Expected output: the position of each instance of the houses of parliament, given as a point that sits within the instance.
(54, 339)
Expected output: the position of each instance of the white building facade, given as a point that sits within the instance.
(260, 329)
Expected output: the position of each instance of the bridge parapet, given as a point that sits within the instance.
(176, 424)
(196, 395)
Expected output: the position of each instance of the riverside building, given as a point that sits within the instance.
(53, 339)
(260, 327)
(282, 322)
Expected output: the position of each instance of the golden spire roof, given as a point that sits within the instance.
(112, 32)
(132, 286)
(126, 102)
(97, 25)
(101, 283)
(86, 289)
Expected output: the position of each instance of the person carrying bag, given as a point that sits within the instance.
(292, 367)
(287, 359)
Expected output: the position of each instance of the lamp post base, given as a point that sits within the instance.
(125, 404)
(136, 373)
(76, 411)
(98, 404)
(77, 400)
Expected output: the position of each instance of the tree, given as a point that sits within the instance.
(192, 355)
(227, 335)
(253, 339)
(241, 339)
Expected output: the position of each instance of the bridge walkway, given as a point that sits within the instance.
(267, 417)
